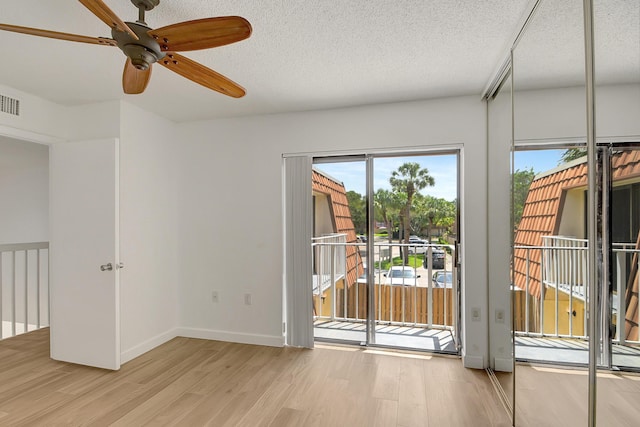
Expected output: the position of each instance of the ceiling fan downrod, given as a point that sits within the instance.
(144, 6)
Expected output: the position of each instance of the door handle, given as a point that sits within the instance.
(106, 267)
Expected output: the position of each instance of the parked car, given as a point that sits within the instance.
(401, 275)
(363, 277)
(418, 245)
(443, 279)
(438, 257)
(362, 238)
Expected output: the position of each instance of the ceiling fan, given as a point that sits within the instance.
(144, 46)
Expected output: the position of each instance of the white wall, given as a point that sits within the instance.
(39, 119)
(148, 231)
(94, 121)
(561, 113)
(24, 191)
(231, 205)
(323, 223)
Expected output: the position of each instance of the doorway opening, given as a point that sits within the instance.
(384, 250)
(24, 236)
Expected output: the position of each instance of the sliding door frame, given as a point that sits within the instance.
(369, 157)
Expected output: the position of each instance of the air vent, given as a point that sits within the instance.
(9, 105)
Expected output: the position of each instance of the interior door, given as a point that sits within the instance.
(84, 258)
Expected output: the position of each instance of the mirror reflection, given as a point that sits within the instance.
(549, 215)
(549, 203)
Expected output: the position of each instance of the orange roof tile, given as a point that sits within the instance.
(541, 212)
(342, 218)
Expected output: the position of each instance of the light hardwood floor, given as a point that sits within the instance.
(190, 382)
(548, 396)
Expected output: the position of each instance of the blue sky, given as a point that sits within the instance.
(540, 160)
(441, 167)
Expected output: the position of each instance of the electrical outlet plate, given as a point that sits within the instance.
(247, 299)
(475, 314)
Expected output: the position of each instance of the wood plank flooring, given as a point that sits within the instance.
(548, 396)
(190, 382)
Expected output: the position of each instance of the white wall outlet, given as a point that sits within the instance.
(214, 297)
(499, 316)
(475, 314)
(247, 299)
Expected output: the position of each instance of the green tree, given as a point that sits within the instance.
(432, 211)
(387, 208)
(572, 154)
(521, 182)
(409, 179)
(358, 210)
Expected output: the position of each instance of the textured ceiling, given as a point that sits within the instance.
(551, 51)
(306, 55)
(302, 55)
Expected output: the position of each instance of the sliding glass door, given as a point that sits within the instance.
(384, 250)
(621, 240)
(339, 249)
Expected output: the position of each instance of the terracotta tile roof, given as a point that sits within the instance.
(541, 217)
(342, 218)
(632, 331)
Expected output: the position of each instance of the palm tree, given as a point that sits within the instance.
(383, 201)
(409, 179)
(388, 206)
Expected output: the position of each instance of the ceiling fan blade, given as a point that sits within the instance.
(106, 15)
(135, 81)
(202, 33)
(57, 35)
(200, 74)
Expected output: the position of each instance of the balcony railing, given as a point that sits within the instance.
(418, 301)
(560, 267)
(24, 287)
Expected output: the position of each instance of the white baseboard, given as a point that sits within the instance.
(207, 334)
(503, 364)
(149, 344)
(237, 337)
(473, 362)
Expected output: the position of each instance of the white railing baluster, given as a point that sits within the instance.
(1, 301)
(563, 266)
(330, 254)
(585, 283)
(26, 291)
(38, 289)
(13, 295)
(15, 254)
(429, 255)
(543, 265)
(526, 290)
(621, 266)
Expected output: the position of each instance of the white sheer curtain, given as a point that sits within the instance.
(298, 223)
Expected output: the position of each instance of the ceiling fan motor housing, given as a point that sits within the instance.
(143, 52)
